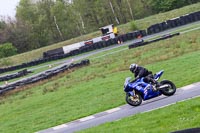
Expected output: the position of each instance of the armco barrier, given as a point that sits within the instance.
(42, 76)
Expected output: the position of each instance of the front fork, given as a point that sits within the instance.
(131, 93)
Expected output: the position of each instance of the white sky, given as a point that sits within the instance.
(8, 7)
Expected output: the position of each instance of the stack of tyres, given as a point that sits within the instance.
(1, 70)
(120, 38)
(108, 43)
(183, 20)
(153, 29)
(96, 45)
(92, 47)
(192, 17)
(100, 45)
(171, 23)
(53, 52)
(124, 37)
(82, 49)
(150, 30)
(163, 26)
(157, 28)
(195, 16)
(85, 62)
(135, 34)
(104, 44)
(188, 17)
(61, 56)
(137, 44)
(113, 41)
(66, 55)
(178, 22)
(74, 52)
(143, 33)
(89, 47)
(130, 36)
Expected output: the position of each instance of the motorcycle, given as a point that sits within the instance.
(139, 91)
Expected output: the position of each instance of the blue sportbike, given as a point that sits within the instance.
(138, 91)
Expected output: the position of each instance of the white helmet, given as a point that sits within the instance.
(133, 67)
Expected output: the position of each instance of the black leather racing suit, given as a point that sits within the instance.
(143, 72)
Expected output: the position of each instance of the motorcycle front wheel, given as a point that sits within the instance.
(134, 100)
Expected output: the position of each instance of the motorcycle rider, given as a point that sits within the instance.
(140, 72)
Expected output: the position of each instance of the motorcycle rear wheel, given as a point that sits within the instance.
(134, 100)
(170, 90)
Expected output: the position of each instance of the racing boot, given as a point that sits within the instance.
(156, 86)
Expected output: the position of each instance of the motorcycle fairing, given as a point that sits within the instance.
(158, 75)
(143, 88)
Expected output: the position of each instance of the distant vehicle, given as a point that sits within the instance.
(139, 90)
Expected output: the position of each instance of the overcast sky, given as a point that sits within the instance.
(8, 7)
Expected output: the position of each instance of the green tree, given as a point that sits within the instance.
(3, 36)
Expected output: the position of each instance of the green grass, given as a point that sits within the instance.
(141, 24)
(98, 87)
(180, 116)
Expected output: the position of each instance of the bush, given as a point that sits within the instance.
(7, 49)
(133, 26)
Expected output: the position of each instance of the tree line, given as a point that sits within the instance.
(39, 23)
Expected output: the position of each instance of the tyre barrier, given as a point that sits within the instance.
(45, 75)
(38, 61)
(54, 52)
(136, 44)
(136, 34)
(15, 75)
(142, 43)
(172, 23)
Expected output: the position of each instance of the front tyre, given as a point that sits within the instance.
(167, 88)
(134, 100)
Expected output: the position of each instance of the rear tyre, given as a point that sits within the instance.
(134, 100)
(170, 88)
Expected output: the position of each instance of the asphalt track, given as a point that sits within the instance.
(182, 94)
